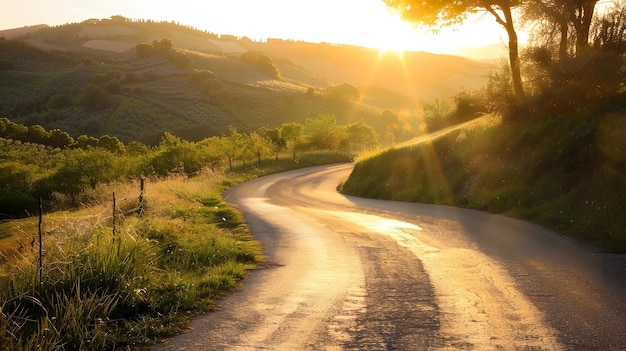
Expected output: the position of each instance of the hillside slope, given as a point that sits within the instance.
(150, 94)
(562, 172)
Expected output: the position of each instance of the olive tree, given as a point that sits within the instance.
(293, 135)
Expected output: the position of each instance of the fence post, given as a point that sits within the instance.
(40, 243)
(114, 214)
(142, 185)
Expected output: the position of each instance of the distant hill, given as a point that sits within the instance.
(155, 92)
(11, 33)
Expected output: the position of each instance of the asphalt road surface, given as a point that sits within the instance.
(345, 273)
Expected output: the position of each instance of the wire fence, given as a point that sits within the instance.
(139, 210)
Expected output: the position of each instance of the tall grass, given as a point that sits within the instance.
(102, 290)
(566, 172)
(106, 290)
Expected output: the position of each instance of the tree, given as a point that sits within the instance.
(438, 13)
(609, 31)
(558, 17)
(59, 138)
(84, 167)
(211, 151)
(162, 45)
(233, 146)
(10, 130)
(86, 142)
(293, 134)
(59, 101)
(582, 17)
(552, 21)
(37, 134)
(175, 155)
(16, 177)
(594, 70)
(111, 143)
(143, 49)
(360, 136)
(262, 61)
(93, 97)
(322, 132)
(343, 92)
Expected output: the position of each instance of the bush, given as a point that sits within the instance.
(93, 98)
(59, 101)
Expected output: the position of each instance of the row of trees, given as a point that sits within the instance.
(568, 36)
(56, 138)
(61, 174)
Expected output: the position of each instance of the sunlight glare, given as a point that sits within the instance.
(391, 47)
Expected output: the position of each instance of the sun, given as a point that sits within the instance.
(385, 51)
(397, 48)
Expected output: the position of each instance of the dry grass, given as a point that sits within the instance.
(143, 280)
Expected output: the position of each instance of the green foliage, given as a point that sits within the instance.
(174, 154)
(322, 133)
(343, 92)
(93, 97)
(34, 134)
(207, 83)
(59, 101)
(163, 44)
(263, 62)
(402, 126)
(554, 171)
(143, 49)
(292, 133)
(104, 290)
(111, 144)
(65, 176)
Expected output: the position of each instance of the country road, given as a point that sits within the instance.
(346, 273)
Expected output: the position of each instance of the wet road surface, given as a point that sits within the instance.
(345, 273)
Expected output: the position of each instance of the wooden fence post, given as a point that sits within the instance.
(142, 185)
(114, 214)
(40, 243)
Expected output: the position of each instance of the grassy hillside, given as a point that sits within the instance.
(149, 94)
(564, 172)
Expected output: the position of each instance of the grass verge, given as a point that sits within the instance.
(567, 173)
(102, 289)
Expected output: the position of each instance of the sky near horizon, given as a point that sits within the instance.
(356, 22)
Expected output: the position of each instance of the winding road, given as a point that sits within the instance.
(346, 273)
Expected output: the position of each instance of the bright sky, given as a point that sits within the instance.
(358, 22)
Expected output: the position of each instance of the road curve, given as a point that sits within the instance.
(346, 273)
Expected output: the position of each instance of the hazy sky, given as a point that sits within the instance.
(358, 22)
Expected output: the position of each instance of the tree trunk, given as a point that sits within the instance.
(563, 44)
(516, 72)
(584, 17)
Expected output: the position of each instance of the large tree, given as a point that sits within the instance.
(441, 13)
(562, 16)
(581, 15)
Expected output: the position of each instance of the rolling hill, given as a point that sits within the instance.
(154, 92)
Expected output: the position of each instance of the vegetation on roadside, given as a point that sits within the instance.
(52, 165)
(106, 282)
(104, 289)
(113, 279)
(555, 156)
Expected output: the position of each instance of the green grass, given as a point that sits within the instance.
(567, 173)
(102, 290)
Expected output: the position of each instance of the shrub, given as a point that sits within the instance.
(93, 97)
